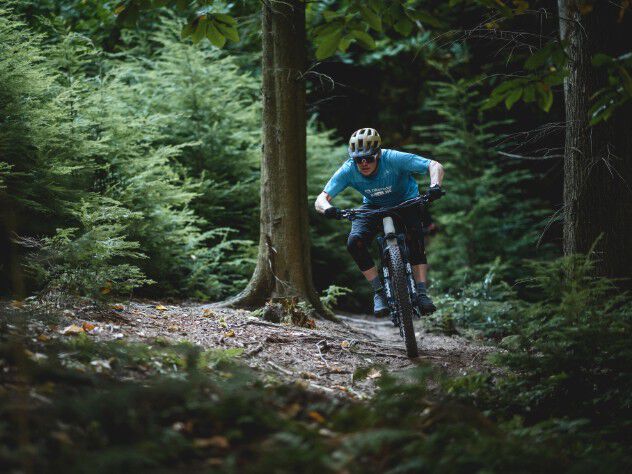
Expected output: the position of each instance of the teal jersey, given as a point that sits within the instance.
(391, 184)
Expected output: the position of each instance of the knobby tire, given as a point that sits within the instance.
(399, 280)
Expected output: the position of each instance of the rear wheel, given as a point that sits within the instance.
(397, 271)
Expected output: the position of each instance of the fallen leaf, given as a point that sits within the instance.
(292, 410)
(61, 436)
(87, 327)
(43, 338)
(172, 328)
(207, 313)
(337, 370)
(35, 356)
(101, 365)
(183, 427)
(344, 344)
(585, 8)
(326, 432)
(308, 375)
(118, 307)
(17, 304)
(222, 323)
(230, 333)
(161, 308)
(72, 330)
(374, 373)
(219, 442)
(317, 417)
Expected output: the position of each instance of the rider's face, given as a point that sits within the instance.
(366, 168)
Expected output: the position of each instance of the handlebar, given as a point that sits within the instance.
(351, 214)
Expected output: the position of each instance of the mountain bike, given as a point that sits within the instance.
(399, 284)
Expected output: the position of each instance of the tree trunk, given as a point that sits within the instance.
(283, 265)
(598, 159)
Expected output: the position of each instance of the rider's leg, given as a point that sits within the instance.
(360, 237)
(417, 251)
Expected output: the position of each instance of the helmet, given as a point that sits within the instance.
(364, 142)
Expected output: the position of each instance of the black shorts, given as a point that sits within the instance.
(364, 229)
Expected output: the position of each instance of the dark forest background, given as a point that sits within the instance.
(142, 149)
(130, 154)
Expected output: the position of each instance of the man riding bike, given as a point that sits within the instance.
(385, 178)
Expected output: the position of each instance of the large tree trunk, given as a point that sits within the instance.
(283, 266)
(598, 159)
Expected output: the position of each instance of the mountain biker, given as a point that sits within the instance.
(385, 178)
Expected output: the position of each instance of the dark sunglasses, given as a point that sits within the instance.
(368, 159)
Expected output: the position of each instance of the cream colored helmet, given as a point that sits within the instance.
(364, 142)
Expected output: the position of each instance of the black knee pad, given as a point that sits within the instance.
(357, 247)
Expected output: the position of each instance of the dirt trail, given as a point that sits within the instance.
(324, 358)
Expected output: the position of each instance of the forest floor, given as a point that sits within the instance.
(325, 358)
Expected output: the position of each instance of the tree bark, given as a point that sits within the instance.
(283, 265)
(597, 159)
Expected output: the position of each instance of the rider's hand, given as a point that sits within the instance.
(333, 213)
(435, 192)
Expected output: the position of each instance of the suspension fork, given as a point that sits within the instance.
(391, 238)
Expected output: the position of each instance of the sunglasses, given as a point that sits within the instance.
(368, 159)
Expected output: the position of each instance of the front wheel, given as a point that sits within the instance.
(399, 278)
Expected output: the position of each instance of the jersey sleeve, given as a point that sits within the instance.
(338, 182)
(411, 162)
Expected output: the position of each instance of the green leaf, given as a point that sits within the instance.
(404, 26)
(345, 42)
(537, 59)
(199, 32)
(328, 29)
(330, 15)
(187, 30)
(529, 93)
(545, 96)
(512, 98)
(214, 36)
(328, 46)
(363, 38)
(371, 18)
(493, 101)
(427, 18)
(227, 19)
(554, 79)
(229, 32)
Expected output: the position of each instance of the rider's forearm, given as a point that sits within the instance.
(322, 202)
(436, 173)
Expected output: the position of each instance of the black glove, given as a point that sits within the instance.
(333, 213)
(435, 192)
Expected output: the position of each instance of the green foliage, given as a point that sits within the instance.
(546, 68)
(89, 263)
(186, 88)
(484, 220)
(571, 349)
(336, 28)
(331, 295)
(115, 406)
(487, 305)
(619, 89)
(74, 136)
